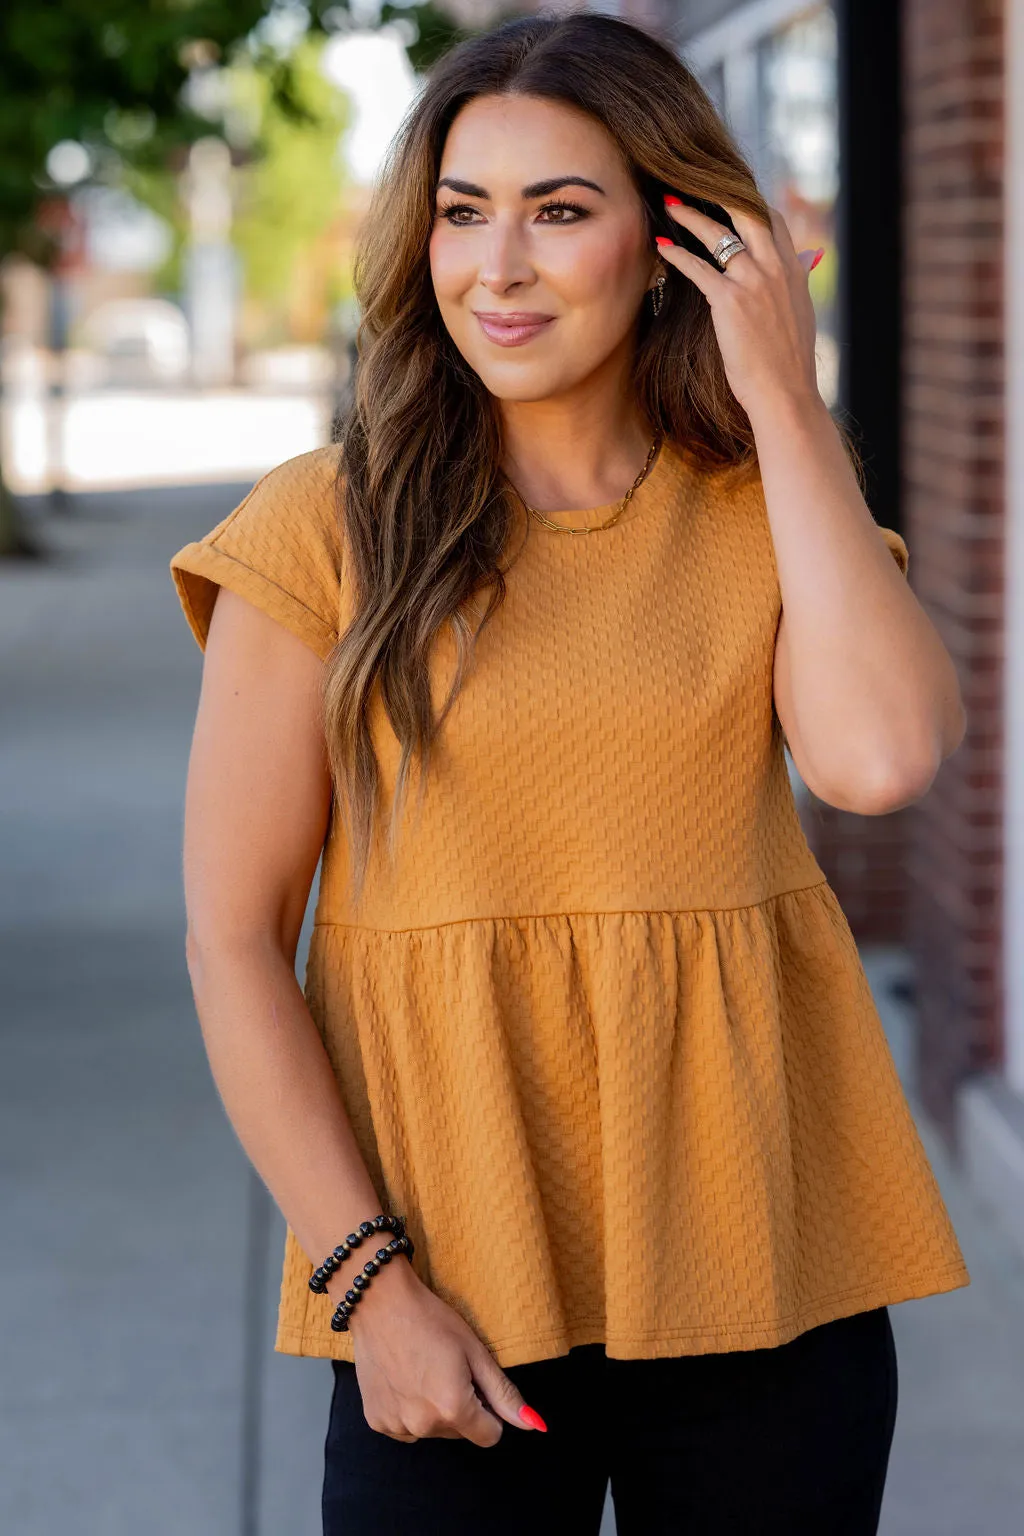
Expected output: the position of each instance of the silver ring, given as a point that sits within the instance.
(728, 247)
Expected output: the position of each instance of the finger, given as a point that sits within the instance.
(480, 1425)
(464, 1415)
(708, 231)
(783, 238)
(461, 1416)
(809, 259)
(754, 233)
(691, 266)
(499, 1390)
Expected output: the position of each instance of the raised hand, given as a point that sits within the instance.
(760, 304)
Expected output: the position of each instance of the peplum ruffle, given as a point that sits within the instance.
(686, 1127)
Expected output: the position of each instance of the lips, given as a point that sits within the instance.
(512, 328)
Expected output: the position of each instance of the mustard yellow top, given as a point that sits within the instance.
(602, 1030)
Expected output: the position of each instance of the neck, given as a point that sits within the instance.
(570, 454)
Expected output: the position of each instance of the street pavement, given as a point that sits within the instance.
(140, 1259)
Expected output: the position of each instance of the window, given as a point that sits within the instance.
(777, 89)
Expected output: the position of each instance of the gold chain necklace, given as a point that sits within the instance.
(623, 504)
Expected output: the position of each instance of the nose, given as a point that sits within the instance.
(504, 258)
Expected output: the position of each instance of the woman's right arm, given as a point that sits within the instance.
(256, 814)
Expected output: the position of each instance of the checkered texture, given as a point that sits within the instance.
(601, 1026)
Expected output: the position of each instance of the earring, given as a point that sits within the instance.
(658, 294)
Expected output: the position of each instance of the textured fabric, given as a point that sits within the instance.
(601, 1028)
(790, 1441)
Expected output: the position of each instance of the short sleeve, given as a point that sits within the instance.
(897, 547)
(280, 549)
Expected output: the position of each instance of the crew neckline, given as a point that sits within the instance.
(575, 517)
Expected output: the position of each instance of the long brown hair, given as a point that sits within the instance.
(427, 513)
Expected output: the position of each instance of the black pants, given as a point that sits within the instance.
(790, 1441)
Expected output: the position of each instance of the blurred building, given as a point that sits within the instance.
(899, 129)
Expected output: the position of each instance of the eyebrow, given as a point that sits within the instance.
(535, 189)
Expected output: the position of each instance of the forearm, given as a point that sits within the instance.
(279, 1091)
(871, 690)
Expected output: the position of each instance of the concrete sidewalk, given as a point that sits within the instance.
(140, 1389)
(132, 1398)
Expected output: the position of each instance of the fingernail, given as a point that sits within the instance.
(532, 1417)
(673, 202)
(663, 240)
(817, 257)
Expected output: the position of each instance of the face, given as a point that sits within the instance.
(539, 254)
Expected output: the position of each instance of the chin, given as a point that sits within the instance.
(519, 383)
(524, 393)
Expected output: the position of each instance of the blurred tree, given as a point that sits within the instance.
(109, 76)
(288, 195)
(432, 29)
(106, 74)
(124, 80)
(112, 75)
(287, 184)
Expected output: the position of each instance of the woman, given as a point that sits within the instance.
(583, 1010)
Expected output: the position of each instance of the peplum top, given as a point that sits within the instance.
(604, 989)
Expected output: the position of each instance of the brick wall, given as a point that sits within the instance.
(865, 859)
(952, 452)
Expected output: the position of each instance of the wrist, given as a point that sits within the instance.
(397, 1267)
(390, 1289)
(785, 409)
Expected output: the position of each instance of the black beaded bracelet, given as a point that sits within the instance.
(366, 1229)
(343, 1311)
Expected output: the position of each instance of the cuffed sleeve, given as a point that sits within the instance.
(280, 549)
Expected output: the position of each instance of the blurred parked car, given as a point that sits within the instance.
(141, 341)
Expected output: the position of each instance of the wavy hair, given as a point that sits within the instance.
(427, 513)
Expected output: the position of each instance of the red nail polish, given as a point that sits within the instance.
(663, 240)
(817, 258)
(673, 202)
(532, 1417)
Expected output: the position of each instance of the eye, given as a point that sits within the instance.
(565, 207)
(449, 210)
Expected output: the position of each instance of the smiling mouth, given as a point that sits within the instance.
(512, 330)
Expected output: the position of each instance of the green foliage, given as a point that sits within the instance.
(156, 187)
(435, 31)
(290, 194)
(111, 75)
(108, 73)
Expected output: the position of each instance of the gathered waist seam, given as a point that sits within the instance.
(536, 917)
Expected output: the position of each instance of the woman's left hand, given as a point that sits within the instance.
(760, 304)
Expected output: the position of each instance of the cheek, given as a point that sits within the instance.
(601, 271)
(451, 270)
